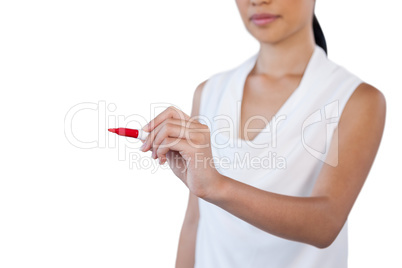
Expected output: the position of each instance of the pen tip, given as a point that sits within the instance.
(112, 130)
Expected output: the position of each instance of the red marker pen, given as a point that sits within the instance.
(128, 132)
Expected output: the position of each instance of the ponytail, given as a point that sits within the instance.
(319, 35)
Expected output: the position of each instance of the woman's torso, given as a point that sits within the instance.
(285, 157)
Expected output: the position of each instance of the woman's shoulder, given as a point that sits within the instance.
(365, 110)
(197, 98)
(213, 84)
(364, 98)
(227, 74)
(364, 94)
(367, 97)
(338, 72)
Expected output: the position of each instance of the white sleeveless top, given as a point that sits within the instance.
(285, 158)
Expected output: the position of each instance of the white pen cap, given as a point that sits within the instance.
(142, 135)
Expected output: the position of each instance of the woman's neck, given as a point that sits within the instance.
(288, 57)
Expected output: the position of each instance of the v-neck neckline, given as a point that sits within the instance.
(241, 87)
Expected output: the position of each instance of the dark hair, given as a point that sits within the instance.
(319, 35)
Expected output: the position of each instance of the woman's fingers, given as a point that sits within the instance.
(173, 144)
(177, 132)
(170, 112)
(172, 128)
(168, 123)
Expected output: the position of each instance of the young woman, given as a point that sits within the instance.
(292, 136)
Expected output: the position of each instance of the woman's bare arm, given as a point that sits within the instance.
(186, 249)
(317, 219)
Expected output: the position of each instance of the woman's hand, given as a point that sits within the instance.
(185, 144)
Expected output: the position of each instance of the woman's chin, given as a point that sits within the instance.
(266, 39)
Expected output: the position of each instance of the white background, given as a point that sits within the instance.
(64, 206)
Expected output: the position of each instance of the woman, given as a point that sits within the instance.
(317, 125)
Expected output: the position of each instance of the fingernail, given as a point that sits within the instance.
(142, 147)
